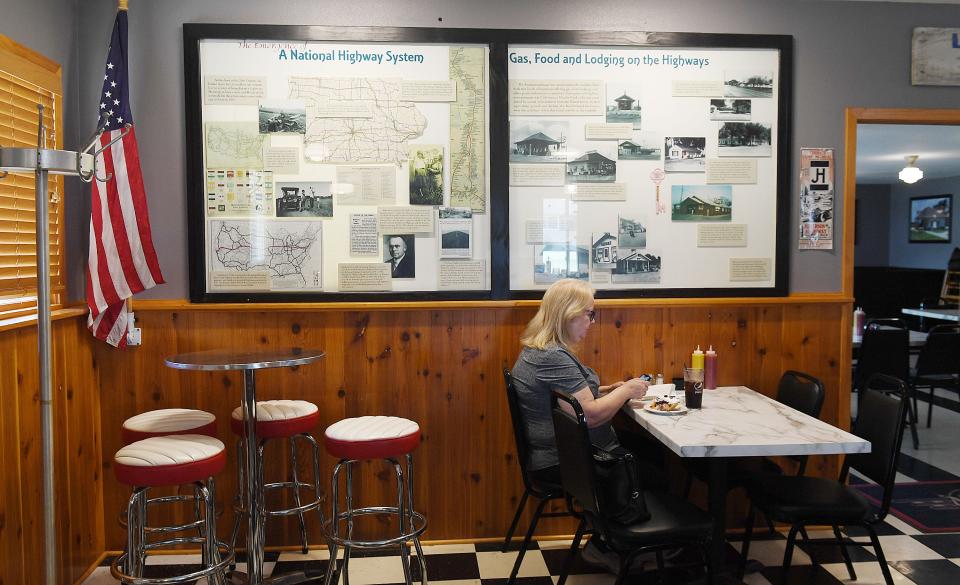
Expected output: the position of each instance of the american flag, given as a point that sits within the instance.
(122, 260)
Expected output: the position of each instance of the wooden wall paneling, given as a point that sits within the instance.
(767, 347)
(442, 368)
(63, 481)
(31, 455)
(684, 328)
(732, 335)
(12, 548)
(84, 406)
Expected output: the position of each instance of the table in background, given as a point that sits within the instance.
(916, 341)
(249, 361)
(944, 314)
(736, 421)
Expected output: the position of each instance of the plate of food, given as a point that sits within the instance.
(667, 407)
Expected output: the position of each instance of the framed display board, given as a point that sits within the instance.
(652, 169)
(332, 164)
(397, 164)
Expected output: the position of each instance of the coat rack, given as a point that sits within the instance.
(42, 162)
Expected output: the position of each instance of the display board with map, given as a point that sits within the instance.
(376, 163)
(327, 167)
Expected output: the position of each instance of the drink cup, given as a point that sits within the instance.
(693, 387)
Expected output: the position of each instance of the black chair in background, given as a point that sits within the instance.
(797, 390)
(885, 350)
(802, 501)
(938, 365)
(538, 487)
(673, 522)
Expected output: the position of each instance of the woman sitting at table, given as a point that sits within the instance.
(548, 361)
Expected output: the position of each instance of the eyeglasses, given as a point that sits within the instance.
(592, 315)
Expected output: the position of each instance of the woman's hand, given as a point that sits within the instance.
(614, 386)
(636, 388)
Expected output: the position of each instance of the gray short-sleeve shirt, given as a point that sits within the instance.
(535, 374)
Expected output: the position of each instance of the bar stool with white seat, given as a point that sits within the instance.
(170, 461)
(280, 419)
(364, 438)
(161, 423)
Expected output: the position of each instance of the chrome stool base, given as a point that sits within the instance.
(295, 485)
(216, 555)
(339, 530)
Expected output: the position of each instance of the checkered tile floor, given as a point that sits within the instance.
(924, 559)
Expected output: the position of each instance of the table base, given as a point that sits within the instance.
(240, 578)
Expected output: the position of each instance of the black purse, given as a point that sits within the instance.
(618, 479)
(618, 486)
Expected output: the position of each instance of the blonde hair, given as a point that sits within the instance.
(564, 300)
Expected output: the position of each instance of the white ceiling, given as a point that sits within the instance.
(882, 148)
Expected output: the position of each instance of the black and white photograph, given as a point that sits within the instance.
(643, 146)
(701, 202)
(283, 117)
(304, 199)
(604, 250)
(456, 226)
(723, 110)
(533, 141)
(636, 266)
(551, 262)
(426, 174)
(747, 83)
(684, 154)
(623, 104)
(632, 232)
(399, 252)
(593, 166)
(745, 139)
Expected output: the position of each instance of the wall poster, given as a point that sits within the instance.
(425, 164)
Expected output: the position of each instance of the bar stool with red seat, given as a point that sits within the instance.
(161, 423)
(280, 419)
(170, 461)
(373, 437)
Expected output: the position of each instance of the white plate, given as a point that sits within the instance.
(681, 410)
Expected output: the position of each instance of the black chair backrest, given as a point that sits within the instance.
(880, 420)
(801, 392)
(804, 393)
(885, 350)
(941, 353)
(576, 453)
(519, 432)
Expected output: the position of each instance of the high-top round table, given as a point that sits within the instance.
(249, 361)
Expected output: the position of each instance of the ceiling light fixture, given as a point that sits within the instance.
(910, 174)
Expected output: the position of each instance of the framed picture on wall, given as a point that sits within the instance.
(930, 219)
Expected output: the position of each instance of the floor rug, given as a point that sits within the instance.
(930, 506)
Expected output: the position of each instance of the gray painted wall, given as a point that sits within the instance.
(847, 54)
(873, 226)
(49, 28)
(905, 255)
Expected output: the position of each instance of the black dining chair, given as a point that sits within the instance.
(802, 501)
(938, 365)
(797, 390)
(885, 350)
(672, 523)
(540, 488)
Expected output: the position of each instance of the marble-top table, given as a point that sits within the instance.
(735, 421)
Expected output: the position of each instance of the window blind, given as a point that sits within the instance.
(25, 82)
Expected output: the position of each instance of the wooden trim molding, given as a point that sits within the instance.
(185, 305)
(853, 117)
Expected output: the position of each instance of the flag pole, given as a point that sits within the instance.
(121, 4)
(41, 162)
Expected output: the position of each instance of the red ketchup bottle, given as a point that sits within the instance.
(710, 370)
